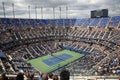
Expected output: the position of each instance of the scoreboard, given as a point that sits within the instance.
(99, 13)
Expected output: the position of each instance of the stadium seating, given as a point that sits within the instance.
(26, 39)
(103, 23)
(95, 22)
(85, 22)
(114, 21)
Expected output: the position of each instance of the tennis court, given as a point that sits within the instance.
(56, 59)
(59, 59)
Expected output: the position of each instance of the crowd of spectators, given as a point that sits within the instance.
(49, 39)
(5, 66)
(19, 58)
(20, 37)
(84, 64)
(63, 75)
(111, 66)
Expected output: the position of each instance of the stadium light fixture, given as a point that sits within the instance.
(60, 12)
(41, 12)
(13, 10)
(29, 11)
(36, 11)
(66, 12)
(53, 12)
(4, 9)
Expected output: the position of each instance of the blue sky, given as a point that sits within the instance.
(76, 8)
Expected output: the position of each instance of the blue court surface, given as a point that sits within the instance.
(56, 59)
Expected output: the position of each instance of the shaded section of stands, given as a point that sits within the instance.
(2, 55)
(76, 50)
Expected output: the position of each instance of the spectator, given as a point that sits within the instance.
(64, 75)
(50, 76)
(44, 77)
(3, 77)
(31, 77)
(55, 77)
(40, 76)
(20, 76)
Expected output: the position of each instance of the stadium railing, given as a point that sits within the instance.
(12, 77)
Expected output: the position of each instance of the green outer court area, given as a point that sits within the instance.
(41, 66)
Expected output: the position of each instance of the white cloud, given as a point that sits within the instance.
(76, 8)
